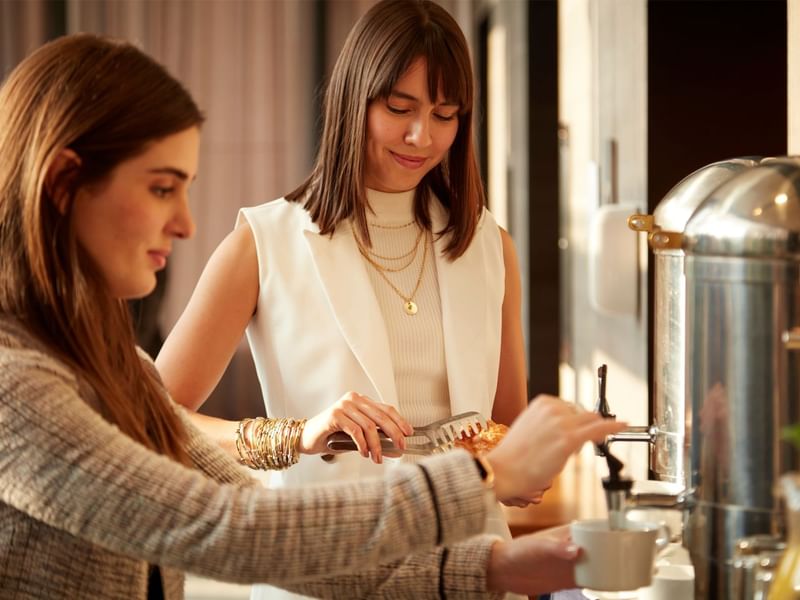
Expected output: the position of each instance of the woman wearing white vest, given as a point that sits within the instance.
(382, 274)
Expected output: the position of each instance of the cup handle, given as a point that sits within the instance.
(664, 536)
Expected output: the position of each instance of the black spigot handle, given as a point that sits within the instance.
(614, 464)
(602, 404)
(617, 485)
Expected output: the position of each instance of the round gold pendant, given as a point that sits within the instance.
(411, 308)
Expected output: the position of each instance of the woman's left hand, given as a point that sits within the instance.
(534, 563)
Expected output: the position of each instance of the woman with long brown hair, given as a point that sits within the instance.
(106, 489)
(381, 281)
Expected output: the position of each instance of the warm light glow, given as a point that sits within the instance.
(757, 211)
(498, 125)
(781, 199)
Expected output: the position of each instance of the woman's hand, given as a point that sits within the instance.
(360, 418)
(540, 441)
(528, 499)
(533, 564)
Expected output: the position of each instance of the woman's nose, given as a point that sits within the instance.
(182, 224)
(419, 133)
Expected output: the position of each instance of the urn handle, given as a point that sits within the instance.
(791, 339)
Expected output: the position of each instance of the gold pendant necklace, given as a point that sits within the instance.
(409, 306)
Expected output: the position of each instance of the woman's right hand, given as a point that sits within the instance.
(360, 418)
(540, 441)
(527, 499)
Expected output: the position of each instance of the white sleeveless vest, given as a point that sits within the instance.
(318, 331)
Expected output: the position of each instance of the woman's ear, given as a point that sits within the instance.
(56, 182)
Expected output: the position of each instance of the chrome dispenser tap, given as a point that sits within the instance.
(618, 490)
(620, 497)
(618, 493)
(635, 433)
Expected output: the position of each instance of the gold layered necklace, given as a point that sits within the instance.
(411, 255)
(409, 306)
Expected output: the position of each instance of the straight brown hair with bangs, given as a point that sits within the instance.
(378, 51)
(106, 101)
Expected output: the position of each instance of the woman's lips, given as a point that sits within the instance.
(409, 162)
(158, 258)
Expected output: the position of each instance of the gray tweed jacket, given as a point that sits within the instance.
(84, 509)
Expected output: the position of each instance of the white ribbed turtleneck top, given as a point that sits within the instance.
(416, 341)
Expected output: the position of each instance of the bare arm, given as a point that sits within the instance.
(511, 395)
(200, 346)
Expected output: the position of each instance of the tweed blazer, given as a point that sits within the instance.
(84, 509)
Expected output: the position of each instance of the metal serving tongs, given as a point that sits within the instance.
(441, 435)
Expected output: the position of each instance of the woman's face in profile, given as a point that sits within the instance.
(128, 222)
(408, 134)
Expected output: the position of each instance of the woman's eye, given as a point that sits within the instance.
(397, 111)
(445, 117)
(162, 192)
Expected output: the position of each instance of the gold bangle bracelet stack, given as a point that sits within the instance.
(269, 444)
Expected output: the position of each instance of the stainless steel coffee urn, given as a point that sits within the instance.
(669, 451)
(742, 269)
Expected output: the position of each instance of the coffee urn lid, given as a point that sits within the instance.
(680, 203)
(756, 214)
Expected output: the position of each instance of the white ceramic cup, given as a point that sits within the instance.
(616, 560)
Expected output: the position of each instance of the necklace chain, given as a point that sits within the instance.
(381, 226)
(398, 269)
(370, 256)
(409, 305)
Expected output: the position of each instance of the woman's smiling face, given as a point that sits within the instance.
(408, 134)
(127, 223)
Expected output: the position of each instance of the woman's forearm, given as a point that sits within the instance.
(221, 431)
(458, 571)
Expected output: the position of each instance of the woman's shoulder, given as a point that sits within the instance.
(487, 229)
(280, 213)
(23, 355)
(487, 221)
(278, 219)
(275, 209)
(17, 338)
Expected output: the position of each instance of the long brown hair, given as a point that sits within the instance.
(106, 101)
(378, 51)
